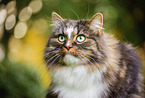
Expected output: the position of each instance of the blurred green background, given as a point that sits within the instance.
(25, 28)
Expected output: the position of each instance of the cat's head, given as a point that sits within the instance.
(76, 42)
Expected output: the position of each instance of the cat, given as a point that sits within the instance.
(86, 62)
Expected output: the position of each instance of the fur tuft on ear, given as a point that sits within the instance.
(56, 18)
(96, 22)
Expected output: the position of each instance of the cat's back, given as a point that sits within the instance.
(128, 81)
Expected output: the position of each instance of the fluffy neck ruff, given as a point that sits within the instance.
(77, 82)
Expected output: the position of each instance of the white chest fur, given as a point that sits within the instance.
(78, 83)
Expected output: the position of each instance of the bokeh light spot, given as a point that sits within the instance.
(11, 7)
(3, 15)
(25, 14)
(20, 30)
(10, 22)
(35, 6)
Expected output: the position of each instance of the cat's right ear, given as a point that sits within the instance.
(96, 23)
(56, 18)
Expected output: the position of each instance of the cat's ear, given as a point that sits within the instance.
(56, 18)
(96, 22)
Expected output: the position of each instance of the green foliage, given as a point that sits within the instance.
(18, 81)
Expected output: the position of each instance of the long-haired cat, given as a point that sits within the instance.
(85, 62)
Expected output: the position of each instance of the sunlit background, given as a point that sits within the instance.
(25, 27)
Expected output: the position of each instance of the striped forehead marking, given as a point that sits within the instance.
(69, 31)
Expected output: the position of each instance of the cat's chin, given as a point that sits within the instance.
(71, 60)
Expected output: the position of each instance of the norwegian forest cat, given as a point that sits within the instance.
(85, 62)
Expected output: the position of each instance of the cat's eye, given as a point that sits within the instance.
(61, 38)
(80, 38)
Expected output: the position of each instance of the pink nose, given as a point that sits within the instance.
(68, 45)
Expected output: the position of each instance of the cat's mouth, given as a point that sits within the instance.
(71, 60)
(72, 57)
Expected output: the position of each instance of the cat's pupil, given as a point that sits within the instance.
(81, 38)
(61, 37)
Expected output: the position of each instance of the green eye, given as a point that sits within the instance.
(80, 38)
(61, 38)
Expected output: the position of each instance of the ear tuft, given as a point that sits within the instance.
(96, 22)
(56, 17)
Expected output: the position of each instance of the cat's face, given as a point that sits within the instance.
(75, 42)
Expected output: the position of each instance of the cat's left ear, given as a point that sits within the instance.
(96, 22)
(56, 18)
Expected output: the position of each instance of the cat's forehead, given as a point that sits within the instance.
(71, 25)
(71, 28)
(71, 22)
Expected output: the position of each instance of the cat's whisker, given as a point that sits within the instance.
(87, 11)
(93, 54)
(95, 62)
(43, 65)
(49, 65)
(75, 13)
(53, 62)
(90, 54)
(49, 18)
(92, 59)
(84, 61)
(88, 61)
(47, 60)
(108, 66)
(51, 58)
(43, 72)
(103, 62)
(93, 65)
(48, 53)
